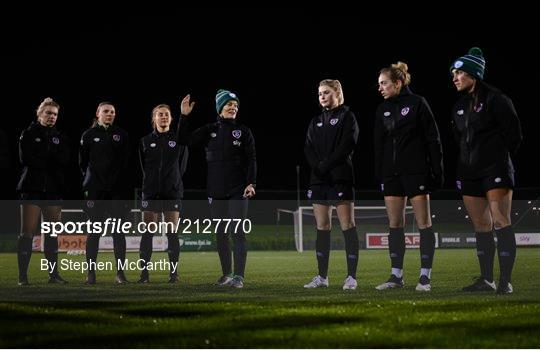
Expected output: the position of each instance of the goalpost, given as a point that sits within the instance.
(362, 214)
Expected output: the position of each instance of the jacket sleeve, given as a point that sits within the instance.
(309, 148)
(251, 157)
(196, 138)
(504, 112)
(142, 155)
(184, 160)
(84, 154)
(432, 138)
(346, 145)
(379, 136)
(26, 153)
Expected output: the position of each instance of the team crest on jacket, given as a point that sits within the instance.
(90, 204)
(116, 137)
(460, 112)
(144, 204)
(172, 144)
(387, 114)
(55, 140)
(319, 124)
(309, 193)
(96, 139)
(237, 133)
(37, 139)
(333, 121)
(405, 111)
(213, 134)
(478, 107)
(152, 145)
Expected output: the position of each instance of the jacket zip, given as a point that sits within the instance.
(47, 150)
(467, 137)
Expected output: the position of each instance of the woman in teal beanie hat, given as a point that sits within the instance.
(231, 178)
(487, 131)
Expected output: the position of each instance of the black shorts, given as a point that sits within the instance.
(41, 199)
(331, 194)
(406, 185)
(479, 187)
(100, 205)
(161, 205)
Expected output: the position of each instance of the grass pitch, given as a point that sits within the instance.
(273, 310)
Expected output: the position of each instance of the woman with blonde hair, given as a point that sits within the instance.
(330, 143)
(44, 154)
(163, 162)
(408, 164)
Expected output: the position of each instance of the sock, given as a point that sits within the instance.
(24, 252)
(240, 253)
(351, 250)
(425, 272)
(173, 249)
(119, 242)
(322, 247)
(396, 247)
(145, 251)
(506, 246)
(427, 247)
(397, 272)
(51, 254)
(224, 252)
(485, 249)
(92, 247)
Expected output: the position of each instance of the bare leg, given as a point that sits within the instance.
(30, 215)
(480, 215)
(323, 217)
(422, 214)
(500, 206)
(173, 247)
(395, 208)
(345, 212)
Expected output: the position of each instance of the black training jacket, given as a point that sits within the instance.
(44, 153)
(406, 137)
(230, 155)
(163, 162)
(487, 130)
(103, 158)
(330, 143)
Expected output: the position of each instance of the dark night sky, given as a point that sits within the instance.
(272, 59)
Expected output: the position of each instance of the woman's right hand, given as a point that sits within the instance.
(186, 106)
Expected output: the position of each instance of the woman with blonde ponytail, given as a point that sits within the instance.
(408, 165)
